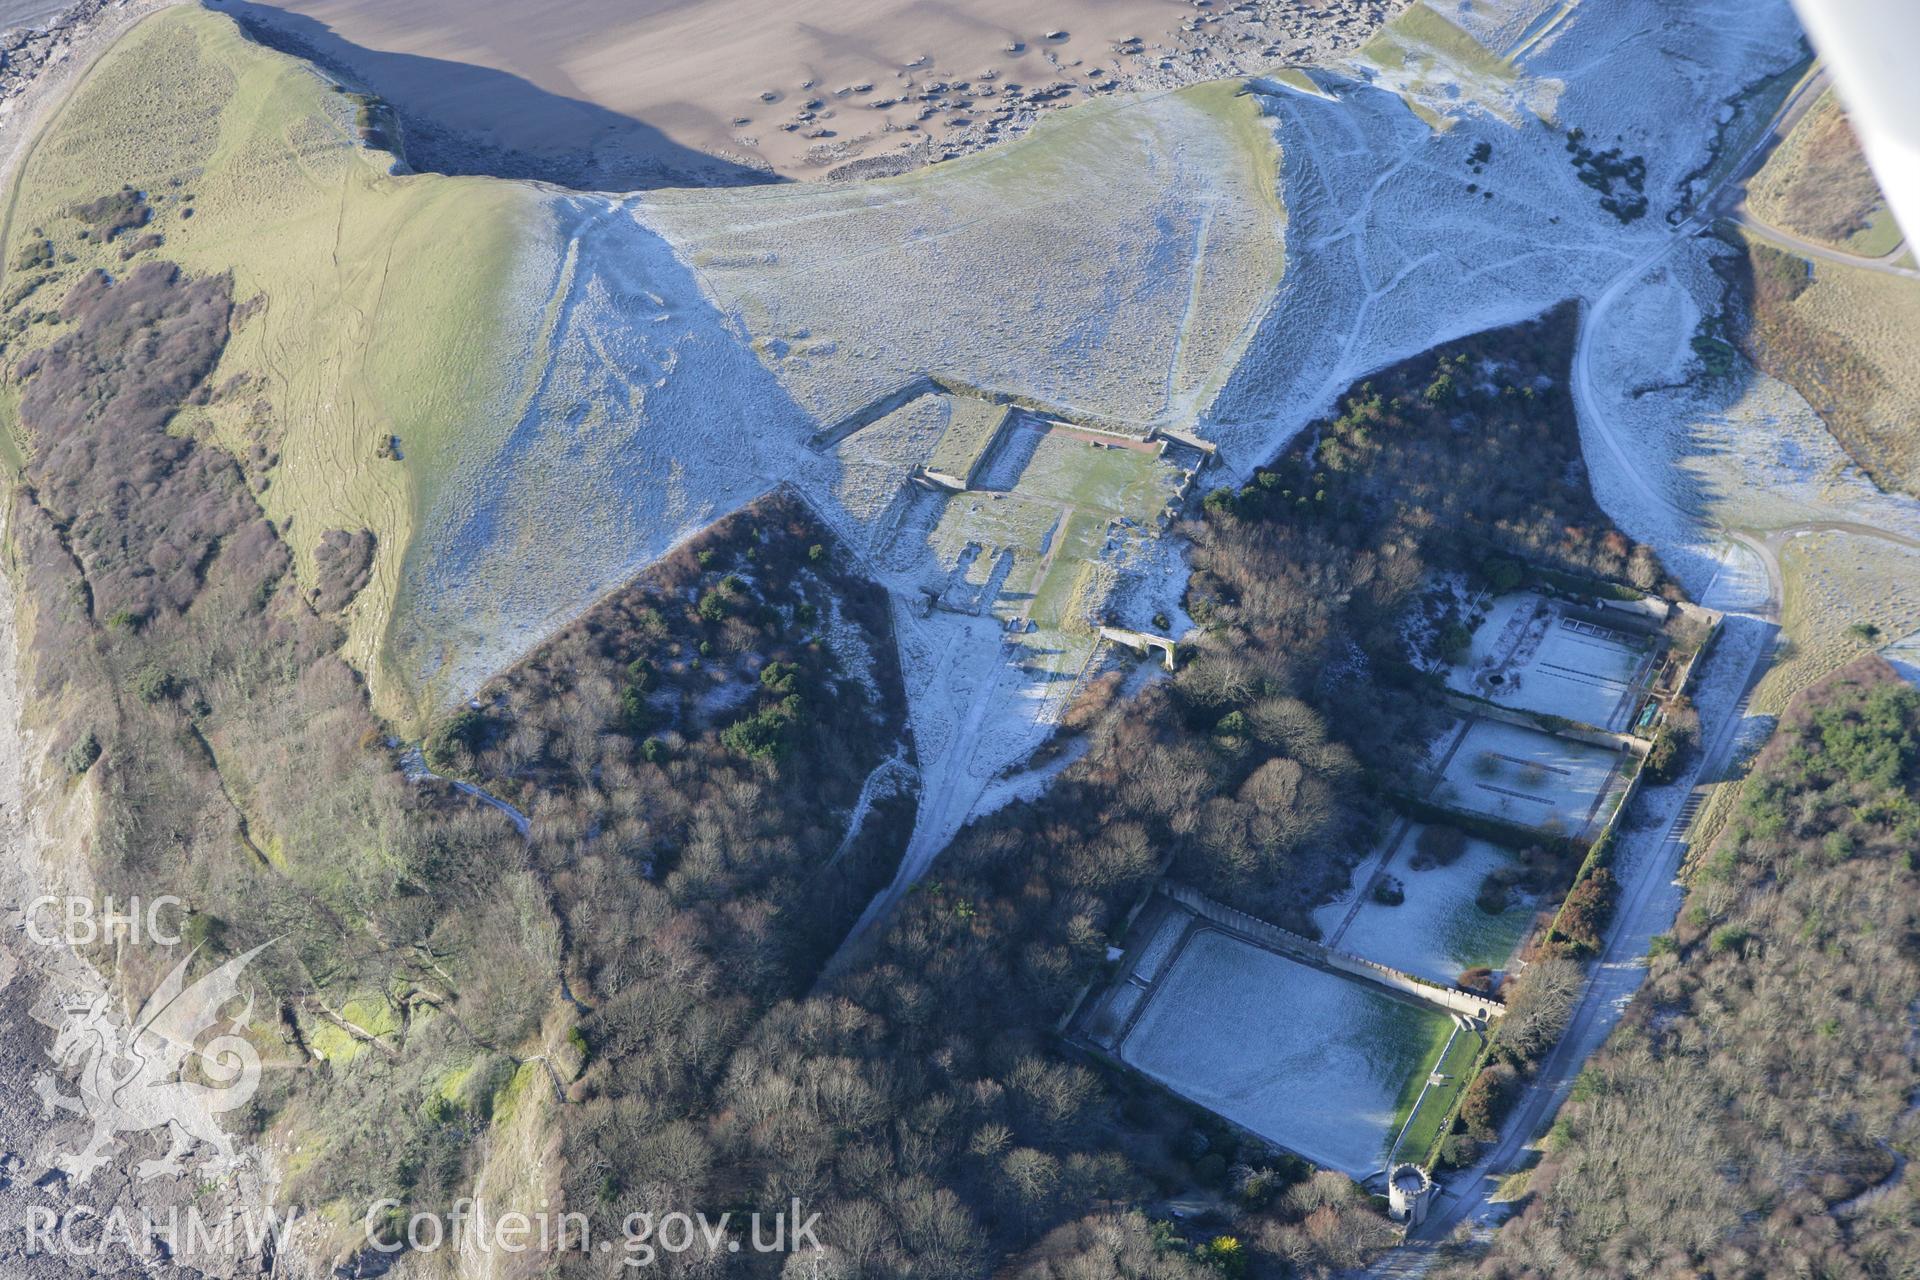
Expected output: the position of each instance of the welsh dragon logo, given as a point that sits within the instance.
(132, 1078)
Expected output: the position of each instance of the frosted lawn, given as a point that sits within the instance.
(1545, 665)
(1528, 777)
(1439, 930)
(1306, 1059)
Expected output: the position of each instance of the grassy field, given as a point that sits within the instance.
(1323, 1064)
(1421, 33)
(1844, 596)
(1079, 541)
(1062, 492)
(1531, 778)
(1877, 318)
(1453, 1055)
(1433, 65)
(1296, 79)
(1439, 929)
(1848, 340)
(1073, 470)
(997, 523)
(373, 301)
(1816, 184)
(973, 426)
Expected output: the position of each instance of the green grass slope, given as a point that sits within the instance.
(373, 304)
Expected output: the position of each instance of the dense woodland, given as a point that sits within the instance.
(1752, 1115)
(687, 754)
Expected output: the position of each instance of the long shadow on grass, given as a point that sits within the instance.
(456, 116)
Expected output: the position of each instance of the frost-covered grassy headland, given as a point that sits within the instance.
(420, 437)
(1220, 259)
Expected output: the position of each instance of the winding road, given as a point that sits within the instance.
(1804, 98)
(1887, 263)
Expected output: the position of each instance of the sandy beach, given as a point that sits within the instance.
(704, 92)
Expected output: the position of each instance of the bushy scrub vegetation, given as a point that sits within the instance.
(1132, 1247)
(1674, 742)
(109, 215)
(1620, 179)
(343, 562)
(1586, 913)
(97, 400)
(1122, 1247)
(1817, 185)
(423, 977)
(1438, 845)
(231, 754)
(1838, 377)
(1761, 1085)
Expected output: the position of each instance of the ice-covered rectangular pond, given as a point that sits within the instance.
(1310, 1060)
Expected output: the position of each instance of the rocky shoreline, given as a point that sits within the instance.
(26, 51)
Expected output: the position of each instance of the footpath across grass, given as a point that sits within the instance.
(1455, 1061)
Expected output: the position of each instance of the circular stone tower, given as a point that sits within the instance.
(1409, 1190)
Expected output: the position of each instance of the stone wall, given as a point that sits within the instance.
(1450, 999)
